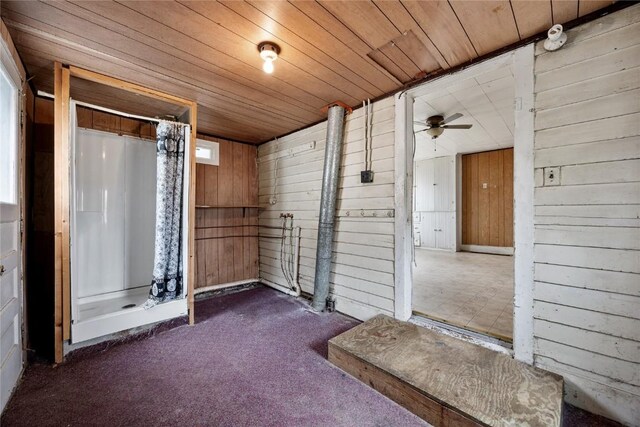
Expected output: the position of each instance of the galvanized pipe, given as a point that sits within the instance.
(330, 175)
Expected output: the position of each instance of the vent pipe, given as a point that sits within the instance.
(330, 175)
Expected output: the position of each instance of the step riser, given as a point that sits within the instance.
(447, 381)
(428, 409)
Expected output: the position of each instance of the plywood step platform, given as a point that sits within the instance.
(447, 381)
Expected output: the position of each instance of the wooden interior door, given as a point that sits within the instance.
(487, 198)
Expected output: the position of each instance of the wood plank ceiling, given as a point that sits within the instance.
(331, 50)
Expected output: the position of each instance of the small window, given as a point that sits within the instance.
(207, 152)
(8, 138)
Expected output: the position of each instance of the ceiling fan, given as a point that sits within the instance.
(435, 125)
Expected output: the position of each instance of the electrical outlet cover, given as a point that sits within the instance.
(551, 176)
(366, 177)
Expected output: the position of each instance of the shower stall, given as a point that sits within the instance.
(113, 213)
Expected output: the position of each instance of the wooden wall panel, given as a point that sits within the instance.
(487, 213)
(496, 199)
(587, 220)
(100, 120)
(474, 200)
(362, 276)
(483, 200)
(106, 121)
(226, 224)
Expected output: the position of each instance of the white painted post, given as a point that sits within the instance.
(457, 185)
(403, 207)
(523, 62)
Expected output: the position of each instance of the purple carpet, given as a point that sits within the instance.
(254, 358)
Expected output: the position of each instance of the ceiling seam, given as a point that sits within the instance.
(425, 33)
(88, 54)
(515, 21)
(578, 9)
(400, 33)
(301, 51)
(344, 24)
(288, 62)
(463, 28)
(373, 49)
(213, 48)
(311, 107)
(337, 38)
(494, 105)
(366, 57)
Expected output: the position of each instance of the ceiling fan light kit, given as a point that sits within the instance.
(435, 125)
(435, 132)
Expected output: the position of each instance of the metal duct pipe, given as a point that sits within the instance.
(332, 155)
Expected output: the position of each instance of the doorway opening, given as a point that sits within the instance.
(463, 198)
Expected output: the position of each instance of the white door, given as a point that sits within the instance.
(429, 229)
(424, 185)
(443, 168)
(445, 223)
(11, 354)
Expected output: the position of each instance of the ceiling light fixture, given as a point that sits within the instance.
(269, 53)
(555, 38)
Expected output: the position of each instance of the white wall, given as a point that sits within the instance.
(362, 278)
(587, 226)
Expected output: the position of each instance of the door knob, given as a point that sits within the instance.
(1, 270)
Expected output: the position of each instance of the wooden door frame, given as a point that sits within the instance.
(62, 280)
(521, 61)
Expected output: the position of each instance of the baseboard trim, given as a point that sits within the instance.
(495, 250)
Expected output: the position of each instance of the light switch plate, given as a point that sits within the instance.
(551, 176)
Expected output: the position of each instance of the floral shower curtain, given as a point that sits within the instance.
(167, 268)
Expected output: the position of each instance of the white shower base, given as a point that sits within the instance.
(111, 302)
(104, 314)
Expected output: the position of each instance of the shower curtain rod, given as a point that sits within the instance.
(109, 110)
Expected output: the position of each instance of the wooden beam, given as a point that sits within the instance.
(66, 240)
(191, 277)
(129, 87)
(62, 283)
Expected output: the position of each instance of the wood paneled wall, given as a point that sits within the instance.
(99, 120)
(362, 271)
(487, 198)
(227, 216)
(586, 293)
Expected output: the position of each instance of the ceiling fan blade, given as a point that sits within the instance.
(451, 118)
(456, 126)
(427, 125)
